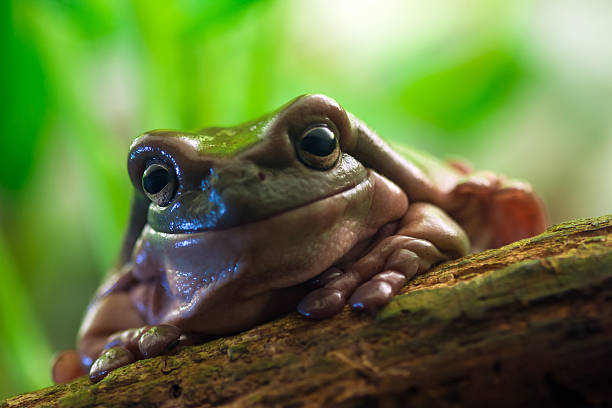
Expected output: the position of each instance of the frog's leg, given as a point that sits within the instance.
(67, 366)
(495, 210)
(492, 209)
(425, 236)
(115, 334)
(107, 314)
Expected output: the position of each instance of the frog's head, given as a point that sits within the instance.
(218, 178)
(239, 218)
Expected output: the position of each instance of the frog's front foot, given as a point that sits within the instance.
(373, 280)
(131, 345)
(425, 237)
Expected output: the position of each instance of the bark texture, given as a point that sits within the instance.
(528, 324)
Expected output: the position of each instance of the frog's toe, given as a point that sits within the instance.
(322, 303)
(158, 339)
(128, 339)
(400, 266)
(371, 295)
(110, 360)
(378, 291)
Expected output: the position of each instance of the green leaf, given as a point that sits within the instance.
(22, 106)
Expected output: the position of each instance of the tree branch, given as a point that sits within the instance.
(529, 323)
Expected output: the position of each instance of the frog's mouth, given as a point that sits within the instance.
(235, 194)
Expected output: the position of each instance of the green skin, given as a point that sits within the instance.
(253, 224)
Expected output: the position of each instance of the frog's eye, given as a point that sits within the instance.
(318, 147)
(159, 183)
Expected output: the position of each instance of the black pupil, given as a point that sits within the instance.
(156, 180)
(319, 141)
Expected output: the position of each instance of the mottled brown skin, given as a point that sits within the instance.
(241, 235)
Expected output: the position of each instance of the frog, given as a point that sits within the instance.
(305, 209)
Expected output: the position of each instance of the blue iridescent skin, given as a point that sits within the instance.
(306, 207)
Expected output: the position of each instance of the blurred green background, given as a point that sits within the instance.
(519, 87)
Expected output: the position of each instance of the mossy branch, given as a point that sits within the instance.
(526, 324)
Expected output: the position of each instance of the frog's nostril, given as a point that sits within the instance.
(261, 176)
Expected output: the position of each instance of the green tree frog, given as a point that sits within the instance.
(304, 208)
